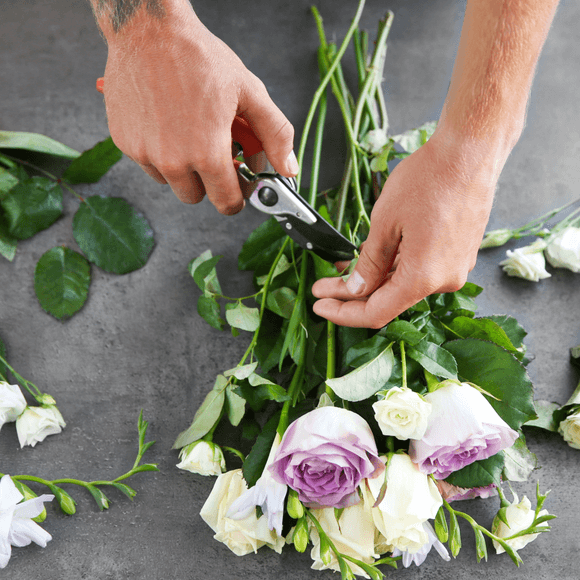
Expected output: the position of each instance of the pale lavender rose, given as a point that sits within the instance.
(463, 428)
(324, 455)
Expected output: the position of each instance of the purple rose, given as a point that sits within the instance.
(463, 428)
(324, 455)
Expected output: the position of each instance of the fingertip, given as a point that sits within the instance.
(292, 164)
(356, 284)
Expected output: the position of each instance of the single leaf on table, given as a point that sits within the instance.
(112, 234)
(480, 473)
(61, 281)
(31, 206)
(498, 372)
(281, 301)
(365, 380)
(35, 142)
(433, 358)
(204, 274)
(206, 416)
(209, 309)
(93, 163)
(261, 247)
(240, 316)
(519, 461)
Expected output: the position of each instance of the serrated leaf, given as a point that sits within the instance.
(235, 406)
(31, 206)
(402, 330)
(281, 301)
(365, 351)
(365, 380)
(93, 163)
(261, 247)
(128, 491)
(242, 372)
(256, 459)
(281, 267)
(112, 234)
(434, 359)
(204, 274)
(61, 281)
(519, 461)
(483, 329)
(480, 473)
(101, 499)
(209, 309)
(546, 419)
(206, 416)
(499, 373)
(240, 316)
(35, 142)
(514, 331)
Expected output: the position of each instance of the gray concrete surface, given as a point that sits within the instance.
(138, 343)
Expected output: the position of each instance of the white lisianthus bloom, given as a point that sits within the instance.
(527, 262)
(12, 402)
(37, 423)
(240, 536)
(352, 534)
(420, 555)
(203, 457)
(16, 525)
(570, 429)
(410, 499)
(402, 413)
(520, 516)
(564, 250)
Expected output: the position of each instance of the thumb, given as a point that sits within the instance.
(272, 128)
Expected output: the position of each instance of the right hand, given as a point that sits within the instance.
(172, 90)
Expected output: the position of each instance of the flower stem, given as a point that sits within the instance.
(30, 387)
(403, 363)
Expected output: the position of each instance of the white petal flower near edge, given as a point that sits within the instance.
(37, 423)
(16, 525)
(12, 402)
(419, 556)
(203, 457)
(527, 262)
(564, 250)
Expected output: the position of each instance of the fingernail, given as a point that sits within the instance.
(355, 283)
(292, 163)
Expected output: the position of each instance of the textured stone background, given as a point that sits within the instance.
(138, 343)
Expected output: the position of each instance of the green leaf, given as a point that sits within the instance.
(35, 142)
(93, 163)
(242, 317)
(256, 459)
(434, 359)
(204, 274)
(281, 301)
(402, 330)
(281, 267)
(258, 390)
(145, 467)
(31, 206)
(235, 406)
(546, 419)
(322, 268)
(7, 181)
(206, 416)
(499, 373)
(411, 140)
(480, 546)
(128, 491)
(8, 243)
(480, 473)
(99, 497)
(295, 331)
(261, 247)
(61, 281)
(242, 372)
(112, 234)
(209, 310)
(365, 380)
(519, 461)
(270, 341)
(364, 351)
(511, 327)
(483, 329)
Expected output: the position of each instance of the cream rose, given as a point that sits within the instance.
(402, 413)
(202, 457)
(570, 429)
(527, 262)
(240, 536)
(37, 423)
(564, 250)
(12, 402)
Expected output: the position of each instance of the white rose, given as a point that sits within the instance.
(410, 499)
(564, 250)
(402, 413)
(37, 423)
(202, 457)
(240, 536)
(12, 402)
(519, 516)
(570, 429)
(527, 262)
(352, 534)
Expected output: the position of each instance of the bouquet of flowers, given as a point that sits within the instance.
(361, 439)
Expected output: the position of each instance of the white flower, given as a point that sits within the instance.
(374, 140)
(564, 250)
(519, 516)
(410, 499)
(570, 429)
(527, 262)
(496, 238)
(402, 413)
(12, 402)
(37, 423)
(240, 536)
(352, 534)
(203, 457)
(16, 525)
(419, 556)
(267, 493)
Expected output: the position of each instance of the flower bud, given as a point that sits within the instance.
(294, 505)
(203, 457)
(496, 238)
(300, 536)
(570, 429)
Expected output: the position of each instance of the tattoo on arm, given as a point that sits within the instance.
(121, 11)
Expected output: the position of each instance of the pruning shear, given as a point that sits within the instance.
(278, 196)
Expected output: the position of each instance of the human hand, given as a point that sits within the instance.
(172, 90)
(426, 228)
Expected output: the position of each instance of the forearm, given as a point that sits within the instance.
(499, 48)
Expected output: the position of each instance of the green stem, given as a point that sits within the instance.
(343, 194)
(330, 356)
(34, 391)
(403, 363)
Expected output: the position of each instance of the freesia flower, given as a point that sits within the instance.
(324, 455)
(453, 493)
(402, 413)
(240, 536)
(519, 516)
(12, 402)
(410, 499)
(564, 250)
(569, 428)
(203, 457)
(463, 428)
(268, 493)
(37, 423)
(527, 262)
(16, 525)
(419, 556)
